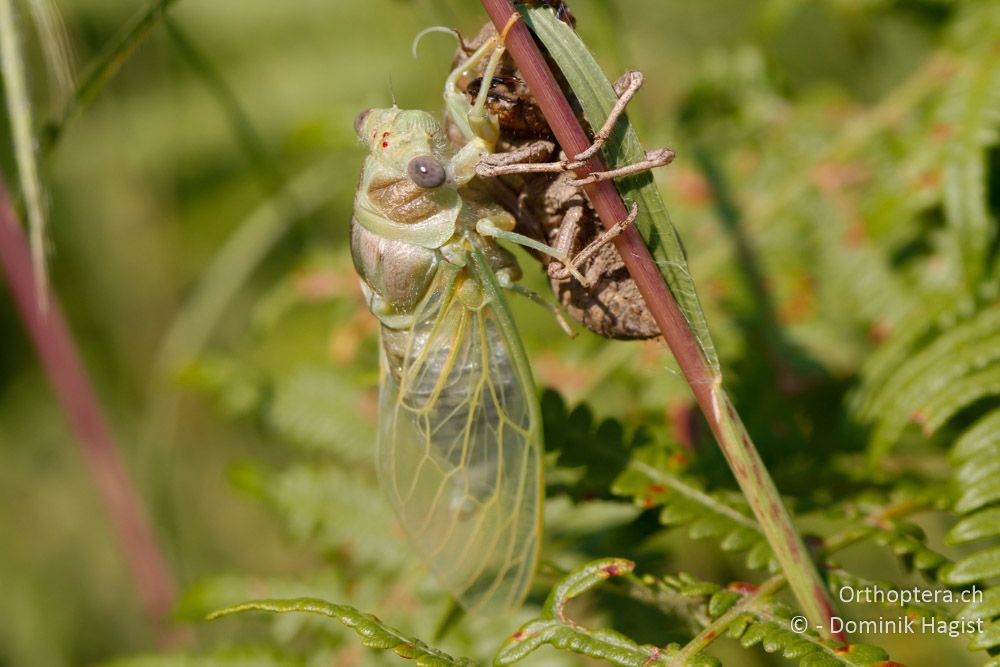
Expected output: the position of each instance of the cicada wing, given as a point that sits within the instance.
(459, 450)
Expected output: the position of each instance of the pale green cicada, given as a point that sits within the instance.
(459, 437)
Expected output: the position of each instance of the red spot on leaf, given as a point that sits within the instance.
(654, 654)
(385, 144)
(656, 488)
(742, 587)
(612, 570)
(518, 636)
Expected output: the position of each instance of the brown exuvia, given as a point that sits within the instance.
(551, 208)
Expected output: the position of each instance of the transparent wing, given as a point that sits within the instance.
(459, 447)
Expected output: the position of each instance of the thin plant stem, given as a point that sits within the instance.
(705, 383)
(54, 344)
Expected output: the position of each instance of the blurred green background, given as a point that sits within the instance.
(217, 313)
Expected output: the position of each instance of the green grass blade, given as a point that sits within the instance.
(55, 48)
(19, 112)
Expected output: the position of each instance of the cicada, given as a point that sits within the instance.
(459, 436)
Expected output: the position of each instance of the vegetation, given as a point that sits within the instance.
(836, 187)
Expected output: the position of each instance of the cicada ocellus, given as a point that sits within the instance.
(459, 438)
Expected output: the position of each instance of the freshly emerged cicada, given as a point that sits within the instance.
(459, 437)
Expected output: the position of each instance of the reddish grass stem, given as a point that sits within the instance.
(61, 361)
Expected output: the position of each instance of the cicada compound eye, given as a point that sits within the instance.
(426, 171)
(359, 121)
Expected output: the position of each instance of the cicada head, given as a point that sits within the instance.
(409, 142)
(408, 190)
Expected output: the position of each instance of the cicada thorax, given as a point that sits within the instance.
(402, 200)
(611, 304)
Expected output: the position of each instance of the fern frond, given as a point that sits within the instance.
(554, 628)
(373, 632)
(960, 366)
(753, 616)
(303, 413)
(225, 591)
(975, 458)
(908, 541)
(770, 629)
(336, 508)
(972, 114)
(722, 517)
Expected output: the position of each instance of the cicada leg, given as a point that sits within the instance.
(567, 235)
(489, 227)
(507, 282)
(625, 87)
(476, 123)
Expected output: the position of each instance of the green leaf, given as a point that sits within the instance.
(988, 639)
(373, 632)
(972, 113)
(987, 607)
(980, 493)
(980, 566)
(983, 437)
